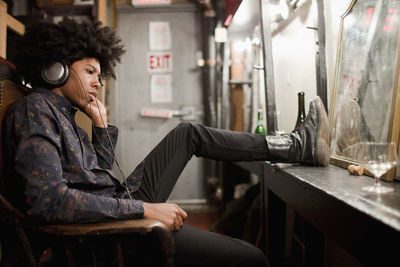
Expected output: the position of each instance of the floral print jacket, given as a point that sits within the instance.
(54, 173)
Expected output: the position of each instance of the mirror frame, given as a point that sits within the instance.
(394, 122)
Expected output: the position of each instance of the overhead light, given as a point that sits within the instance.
(279, 12)
(239, 46)
(242, 45)
(220, 34)
(284, 9)
(296, 3)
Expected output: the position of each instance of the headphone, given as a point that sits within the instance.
(55, 75)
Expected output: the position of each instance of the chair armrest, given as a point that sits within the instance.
(142, 226)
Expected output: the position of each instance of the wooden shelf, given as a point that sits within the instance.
(70, 10)
(7, 22)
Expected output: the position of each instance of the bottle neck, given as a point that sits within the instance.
(259, 118)
(301, 109)
(301, 114)
(260, 129)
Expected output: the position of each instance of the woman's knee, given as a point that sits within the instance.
(186, 126)
(188, 130)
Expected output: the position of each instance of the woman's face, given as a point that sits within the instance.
(83, 82)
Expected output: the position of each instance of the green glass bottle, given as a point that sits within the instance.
(260, 129)
(301, 113)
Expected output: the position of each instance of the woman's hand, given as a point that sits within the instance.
(96, 111)
(169, 213)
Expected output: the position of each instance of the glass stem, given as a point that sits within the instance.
(377, 182)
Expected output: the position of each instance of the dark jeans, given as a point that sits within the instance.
(163, 166)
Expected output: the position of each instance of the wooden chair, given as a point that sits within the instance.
(11, 218)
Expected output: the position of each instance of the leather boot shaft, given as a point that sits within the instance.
(281, 148)
(308, 144)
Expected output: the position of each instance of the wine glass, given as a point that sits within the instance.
(377, 158)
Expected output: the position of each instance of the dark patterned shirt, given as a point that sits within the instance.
(54, 173)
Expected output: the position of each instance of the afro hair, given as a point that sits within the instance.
(66, 42)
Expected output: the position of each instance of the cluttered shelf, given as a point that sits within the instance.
(75, 10)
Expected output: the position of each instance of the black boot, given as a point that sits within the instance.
(308, 144)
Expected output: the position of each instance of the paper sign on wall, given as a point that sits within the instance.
(161, 88)
(159, 36)
(159, 62)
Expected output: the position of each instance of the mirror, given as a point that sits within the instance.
(365, 104)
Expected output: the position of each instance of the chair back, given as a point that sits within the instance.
(10, 90)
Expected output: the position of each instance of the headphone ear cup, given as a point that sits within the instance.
(55, 75)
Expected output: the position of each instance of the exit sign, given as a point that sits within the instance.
(150, 2)
(159, 62)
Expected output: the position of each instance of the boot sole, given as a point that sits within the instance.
(322, 143)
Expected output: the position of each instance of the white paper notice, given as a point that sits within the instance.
(159, 36)
(161, 88)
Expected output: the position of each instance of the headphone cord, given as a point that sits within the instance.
(112, 154)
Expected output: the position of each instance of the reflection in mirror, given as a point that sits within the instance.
(364, 97)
